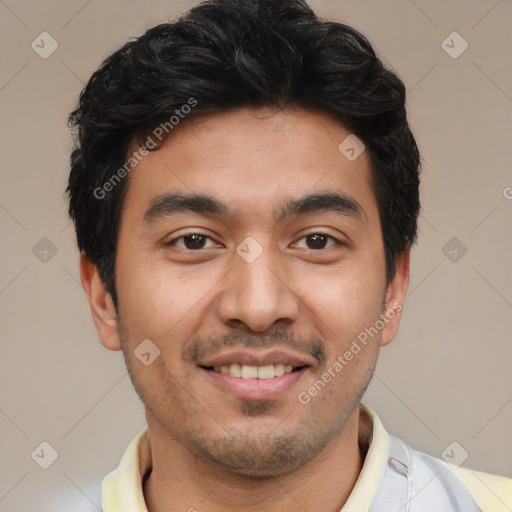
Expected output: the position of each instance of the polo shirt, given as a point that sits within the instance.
(122, 488)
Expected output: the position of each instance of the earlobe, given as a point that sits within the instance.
(395, 297)
(102, 306)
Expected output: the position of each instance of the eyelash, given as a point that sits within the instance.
(192, 233)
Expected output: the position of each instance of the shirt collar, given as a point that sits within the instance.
(122, 488)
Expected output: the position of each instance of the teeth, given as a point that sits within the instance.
(235, 370)
(266, 372)
(278, 370)
(249, 372)
(254, 372)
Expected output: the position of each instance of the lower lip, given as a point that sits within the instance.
(255, 389)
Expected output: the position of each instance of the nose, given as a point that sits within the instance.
(258, 294)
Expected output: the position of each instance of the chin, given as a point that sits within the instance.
(260, 457)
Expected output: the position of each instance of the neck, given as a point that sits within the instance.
(181, 481)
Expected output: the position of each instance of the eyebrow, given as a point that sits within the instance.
(168, 204)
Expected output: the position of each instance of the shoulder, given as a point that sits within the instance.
(493, 493)
(444, 486)
(405, 470)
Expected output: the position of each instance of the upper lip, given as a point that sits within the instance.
(258, 358)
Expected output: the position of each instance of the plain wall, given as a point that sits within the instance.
(446, 377)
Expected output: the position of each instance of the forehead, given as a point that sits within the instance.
(252, 160)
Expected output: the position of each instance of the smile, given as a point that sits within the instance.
(245, 371)
(254, 383)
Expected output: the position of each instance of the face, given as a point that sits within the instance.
(250, 245)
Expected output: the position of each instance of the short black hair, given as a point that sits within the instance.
(226, 54)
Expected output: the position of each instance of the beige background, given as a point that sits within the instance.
(447, 375)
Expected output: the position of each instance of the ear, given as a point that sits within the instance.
(395, 297)
(102, 306)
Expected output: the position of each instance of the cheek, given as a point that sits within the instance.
(157, 301)
(346, 300)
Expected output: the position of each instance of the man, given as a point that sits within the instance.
(244, 189)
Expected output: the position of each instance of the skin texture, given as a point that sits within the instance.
(211, 450)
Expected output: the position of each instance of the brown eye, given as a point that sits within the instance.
(318, 241)
(194, 241)
(190, 241)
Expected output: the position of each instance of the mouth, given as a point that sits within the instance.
(256, 375)
(264, 372)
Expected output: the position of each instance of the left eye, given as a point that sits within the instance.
(318, 240)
